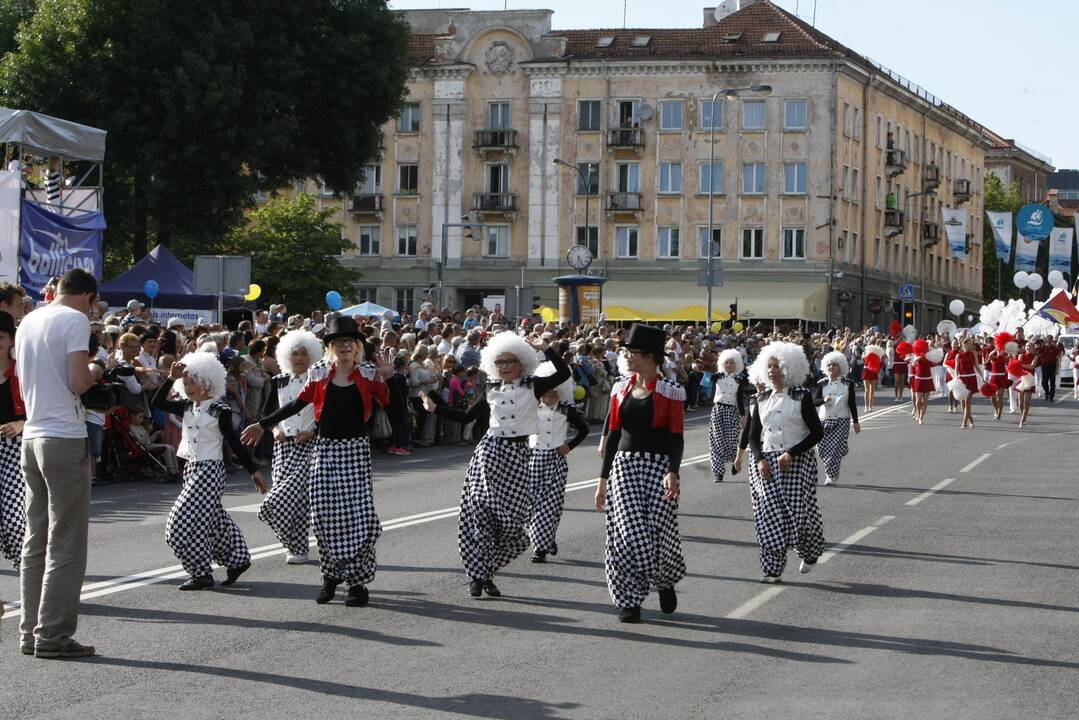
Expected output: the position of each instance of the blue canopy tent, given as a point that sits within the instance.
(367, 309)
(175, 280)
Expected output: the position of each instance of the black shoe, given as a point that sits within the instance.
(630, 615)
(539, 556)
(475, 588)
(668, 600)
(329, 588)
(233, 574)
(554, 548)
(734, 471)
(357, 596)
(202, 582)
(491, 589)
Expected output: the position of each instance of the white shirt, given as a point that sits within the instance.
(302, 421)
(201, 436)
(726, 390)
(514, 410)
(835, 405)
(782, 426)
(445, 348)
(45, 338)
(553, 428)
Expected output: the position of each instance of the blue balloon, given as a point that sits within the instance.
(333, 300)
(151, 288)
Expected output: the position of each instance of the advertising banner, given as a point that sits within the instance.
(1034, 221)
(1060, 249)
(1001, 222)
(10, 182)
(955, 228)
(52, 244)
(1026, 253)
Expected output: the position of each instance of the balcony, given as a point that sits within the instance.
(895, 162)
(495, 202)
(930, 233)
(930, 179)
(894, 222)
(495, 139)
(624, 202)
(366, 204)
(960, 191)
(631, 138)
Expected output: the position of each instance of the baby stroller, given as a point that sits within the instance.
(128, 459)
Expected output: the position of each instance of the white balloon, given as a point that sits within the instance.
(1056, 279)
(1020, 279)
(1034, 281)
(956, 307)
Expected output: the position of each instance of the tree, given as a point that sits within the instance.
(997, 198)
(294, 249)
(208, 101)
(12, 13)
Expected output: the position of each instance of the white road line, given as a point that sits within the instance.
(939, 486)
(976, 463)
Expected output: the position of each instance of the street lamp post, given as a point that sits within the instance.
(587, 180)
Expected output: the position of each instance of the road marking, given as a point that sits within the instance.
(939, 486)
(976, 463)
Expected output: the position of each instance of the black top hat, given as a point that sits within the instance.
(647, 338)
(341, 326)
(7, 324)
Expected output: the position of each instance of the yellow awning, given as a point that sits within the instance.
(698, 313)
(674, 301)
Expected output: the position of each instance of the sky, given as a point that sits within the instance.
(1004, 64)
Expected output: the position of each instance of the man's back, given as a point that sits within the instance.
(42, 344)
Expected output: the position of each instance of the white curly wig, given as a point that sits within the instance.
(508, 342)
(731, 354)
(298, 340)
(839, 359)
(565, 390)
(206, 370)
(792, 361)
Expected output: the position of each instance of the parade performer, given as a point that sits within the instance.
(198, 529)
(965, 384)
(871, 361)
(547, 467)
(285, 508)
(783, 427)
(494, 497)
(1021, 373)
(728, 409)
(997, 361)
(950, 375)
(1073, 356)
(921, 376)
(838, 409)
(343, 392)
(639, 483)
(12, 417)
(899, 368)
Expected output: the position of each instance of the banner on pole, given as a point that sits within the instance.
(1001, 222)
(955, 228)
(1060, 249)
(10, 184)
(52, 244)
(1034, 221)
(1026, 253)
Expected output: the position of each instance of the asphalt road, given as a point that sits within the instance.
(950, 591)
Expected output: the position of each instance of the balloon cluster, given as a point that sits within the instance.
(1033, 281)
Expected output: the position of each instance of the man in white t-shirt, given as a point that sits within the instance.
(52, 362)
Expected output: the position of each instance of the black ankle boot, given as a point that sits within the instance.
(329, 589)
(202, 582)
(668, 600)
(233, 574)
(630, 615)
(491, 589)
(539, 556)
(475, 588)
(357, 596)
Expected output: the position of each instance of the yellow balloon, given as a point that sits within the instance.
(253, 292)
(717, 326)
(578, 393)
(739, 327)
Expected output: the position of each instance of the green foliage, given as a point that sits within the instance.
(998, 197)
(294, 249)
(13, 12)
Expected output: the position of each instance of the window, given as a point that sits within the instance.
(753, 115)
(876, 253)
(372, 180)
(855, 188)
(752, 243)
(626, 241)
(405, 299)
(854, 247)
(406, 239)
(369, 239)
(668, 245)
(794, 178)
(844, 183)
(589, 172)
(641, 40)
(711, 178)
(770, 37)
(880, 190)
(605, 42)
(366, 294)
(628, 113)
(408, 179)
(706, 113)
(753, 178)
(670, 115)
(498, 115)
(856, 129)
(498, 178)
(589, 237)
(629, 177)
(498, 241)
(409, 119)
(794, 244)
(844, 242)
(880, 131)
(796, 115)
(702, 241)
(588, 115)
(846, 119)
(670, 177)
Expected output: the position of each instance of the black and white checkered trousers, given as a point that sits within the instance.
(198, 529)
(494, 507)
(547, 471)
(786, 512)
(285, 508)
(723, 427)
(343, 509)
(12, 499)
(833, 446)
(644, 550)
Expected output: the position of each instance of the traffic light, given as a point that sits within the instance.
(471, 223)
(734, 313)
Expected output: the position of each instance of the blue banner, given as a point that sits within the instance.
(1001, 223)
(1060, 250)
(1026, 254)
(1034, 221)
(52, 244)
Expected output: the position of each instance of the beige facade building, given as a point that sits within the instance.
(825, 193)
(1014, 162)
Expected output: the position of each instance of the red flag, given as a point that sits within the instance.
(1060, 310)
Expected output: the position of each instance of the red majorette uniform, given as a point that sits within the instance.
(949, 362)
(899, 365)
(966, 369)
(921, 369)
(1022, 368)
(998, 370)
(871, 369)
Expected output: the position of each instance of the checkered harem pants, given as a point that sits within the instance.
(198, 529)
(12, 499)
(285, 507)
(723, 429)
(547, 471)
(786, 512)
(343, 509)
(833, 446)
(494, 507)
(643, 547)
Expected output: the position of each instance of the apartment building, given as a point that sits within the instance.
(1014, 162)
